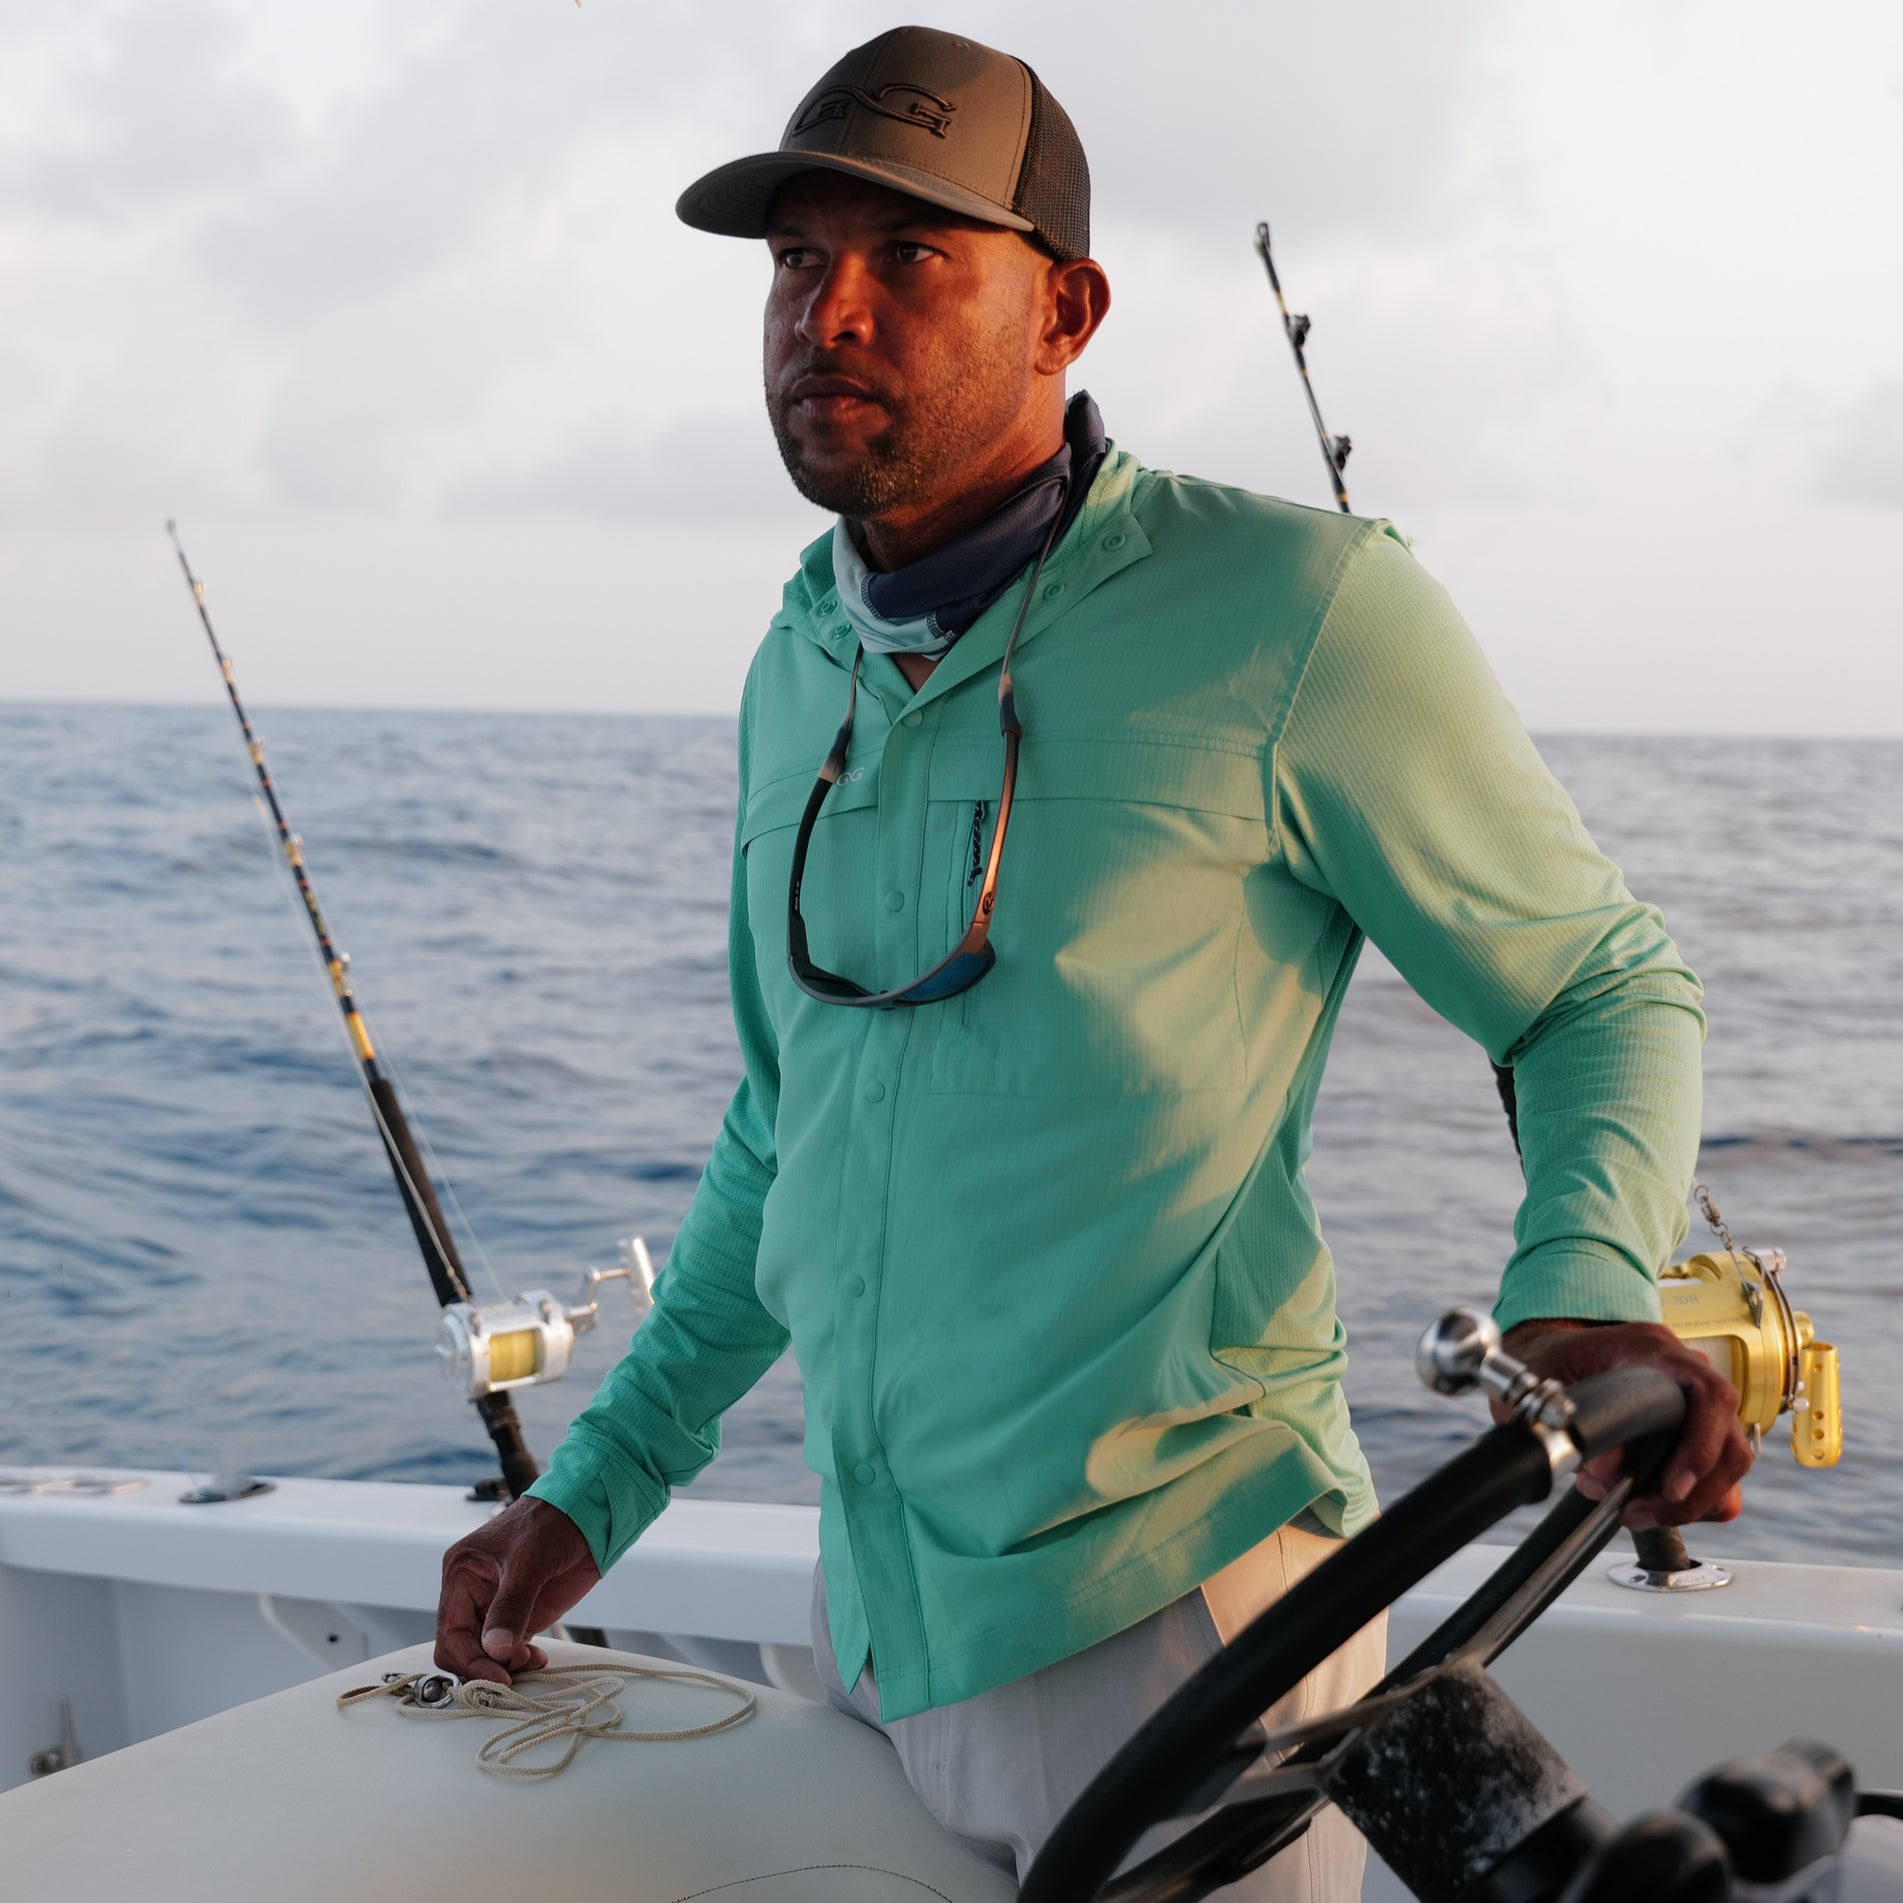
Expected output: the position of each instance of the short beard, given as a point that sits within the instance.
(931, 432)
(896, 470)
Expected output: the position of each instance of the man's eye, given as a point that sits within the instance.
(795, 258)
(909, 253)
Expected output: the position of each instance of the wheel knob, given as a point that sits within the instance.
(1455, 1349)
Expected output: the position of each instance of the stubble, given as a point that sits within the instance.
(935, 428)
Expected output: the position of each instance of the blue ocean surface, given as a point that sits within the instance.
(203, 1262)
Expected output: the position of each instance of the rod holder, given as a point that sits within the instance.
(1663, 1565)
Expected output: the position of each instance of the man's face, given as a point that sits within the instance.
(900, 343)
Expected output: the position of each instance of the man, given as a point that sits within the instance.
(1037, 1228)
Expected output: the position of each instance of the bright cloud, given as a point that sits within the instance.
(389, 305)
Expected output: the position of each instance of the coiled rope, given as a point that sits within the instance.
(572, 1702)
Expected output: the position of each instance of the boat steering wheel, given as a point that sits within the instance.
(1436, 1765)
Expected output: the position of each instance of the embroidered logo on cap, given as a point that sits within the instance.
(924, 108)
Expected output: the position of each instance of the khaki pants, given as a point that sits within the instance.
(1000, 1769)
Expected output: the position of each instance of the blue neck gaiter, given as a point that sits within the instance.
(923, 608)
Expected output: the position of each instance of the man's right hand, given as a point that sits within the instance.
(510, 1579)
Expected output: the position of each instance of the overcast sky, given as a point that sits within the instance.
(387, 303)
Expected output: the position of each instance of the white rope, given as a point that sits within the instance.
(575, 1702)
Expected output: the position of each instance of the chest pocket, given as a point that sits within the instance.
(1121, 908)
(840, 869)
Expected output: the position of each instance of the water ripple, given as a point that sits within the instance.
(201, 1255)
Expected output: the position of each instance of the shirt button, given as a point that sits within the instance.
(865, 1473)
(842, 627)
(1053, 591)
(895, 900)
(875, 1092)
(912, 720)
(827, 606)
(1113, 541)
(854, 1285)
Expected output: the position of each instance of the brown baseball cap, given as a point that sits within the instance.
(932, 115)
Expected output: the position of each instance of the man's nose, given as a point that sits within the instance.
(838, 309)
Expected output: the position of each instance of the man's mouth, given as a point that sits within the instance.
(831, 399)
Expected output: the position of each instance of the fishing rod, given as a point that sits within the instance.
(1778, 1372)
(1335, 450)
(413, 1183)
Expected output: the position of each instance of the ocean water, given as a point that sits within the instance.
(203, 1261)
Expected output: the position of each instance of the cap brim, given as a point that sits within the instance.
(733, 199)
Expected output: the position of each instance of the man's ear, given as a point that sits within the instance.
(1077, 294)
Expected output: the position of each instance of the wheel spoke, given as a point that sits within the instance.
(1331, 1728)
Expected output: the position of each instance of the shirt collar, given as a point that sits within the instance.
(1103, 539)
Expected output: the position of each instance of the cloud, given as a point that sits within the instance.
(708, 467)
(149, 116)
(1862, 458)
(413, 262)
(1468, 396)
(1208, 118)
(345, 259)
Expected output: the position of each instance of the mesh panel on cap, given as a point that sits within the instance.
(1054, 183)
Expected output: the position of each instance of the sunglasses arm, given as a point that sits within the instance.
(834, 768)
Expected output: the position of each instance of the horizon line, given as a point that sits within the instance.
(1731, 731)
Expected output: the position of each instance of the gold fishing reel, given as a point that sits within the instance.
(1730, 1305)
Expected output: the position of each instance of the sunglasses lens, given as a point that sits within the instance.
(826, 985)
(959, 974)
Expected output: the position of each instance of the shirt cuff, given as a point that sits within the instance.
(1576, 1281)
(612, 1506)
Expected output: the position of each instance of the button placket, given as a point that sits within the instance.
(873, 1511)
(858, 1456)
(902, 813)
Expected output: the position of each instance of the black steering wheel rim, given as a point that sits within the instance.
(1183, 1758)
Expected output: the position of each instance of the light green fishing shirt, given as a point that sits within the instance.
(1044, 1250)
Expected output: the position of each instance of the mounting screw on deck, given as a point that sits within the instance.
(218, 1488)
(57, 1757)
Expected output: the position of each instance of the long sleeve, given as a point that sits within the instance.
(1407, 790)
(655, 1421)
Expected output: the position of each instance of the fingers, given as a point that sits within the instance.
(1596, 1477)
(504, 1583)
(468, 1580)
(1702, 1479)
(509, 1624)
(1652, 1512)
(482, 1621)
(1717, 1497)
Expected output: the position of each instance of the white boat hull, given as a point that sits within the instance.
(145, 1614)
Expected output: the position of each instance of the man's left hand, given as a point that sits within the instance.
(1701, 1480)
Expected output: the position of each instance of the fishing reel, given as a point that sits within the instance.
(485, 1347)
(1730, 1305)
